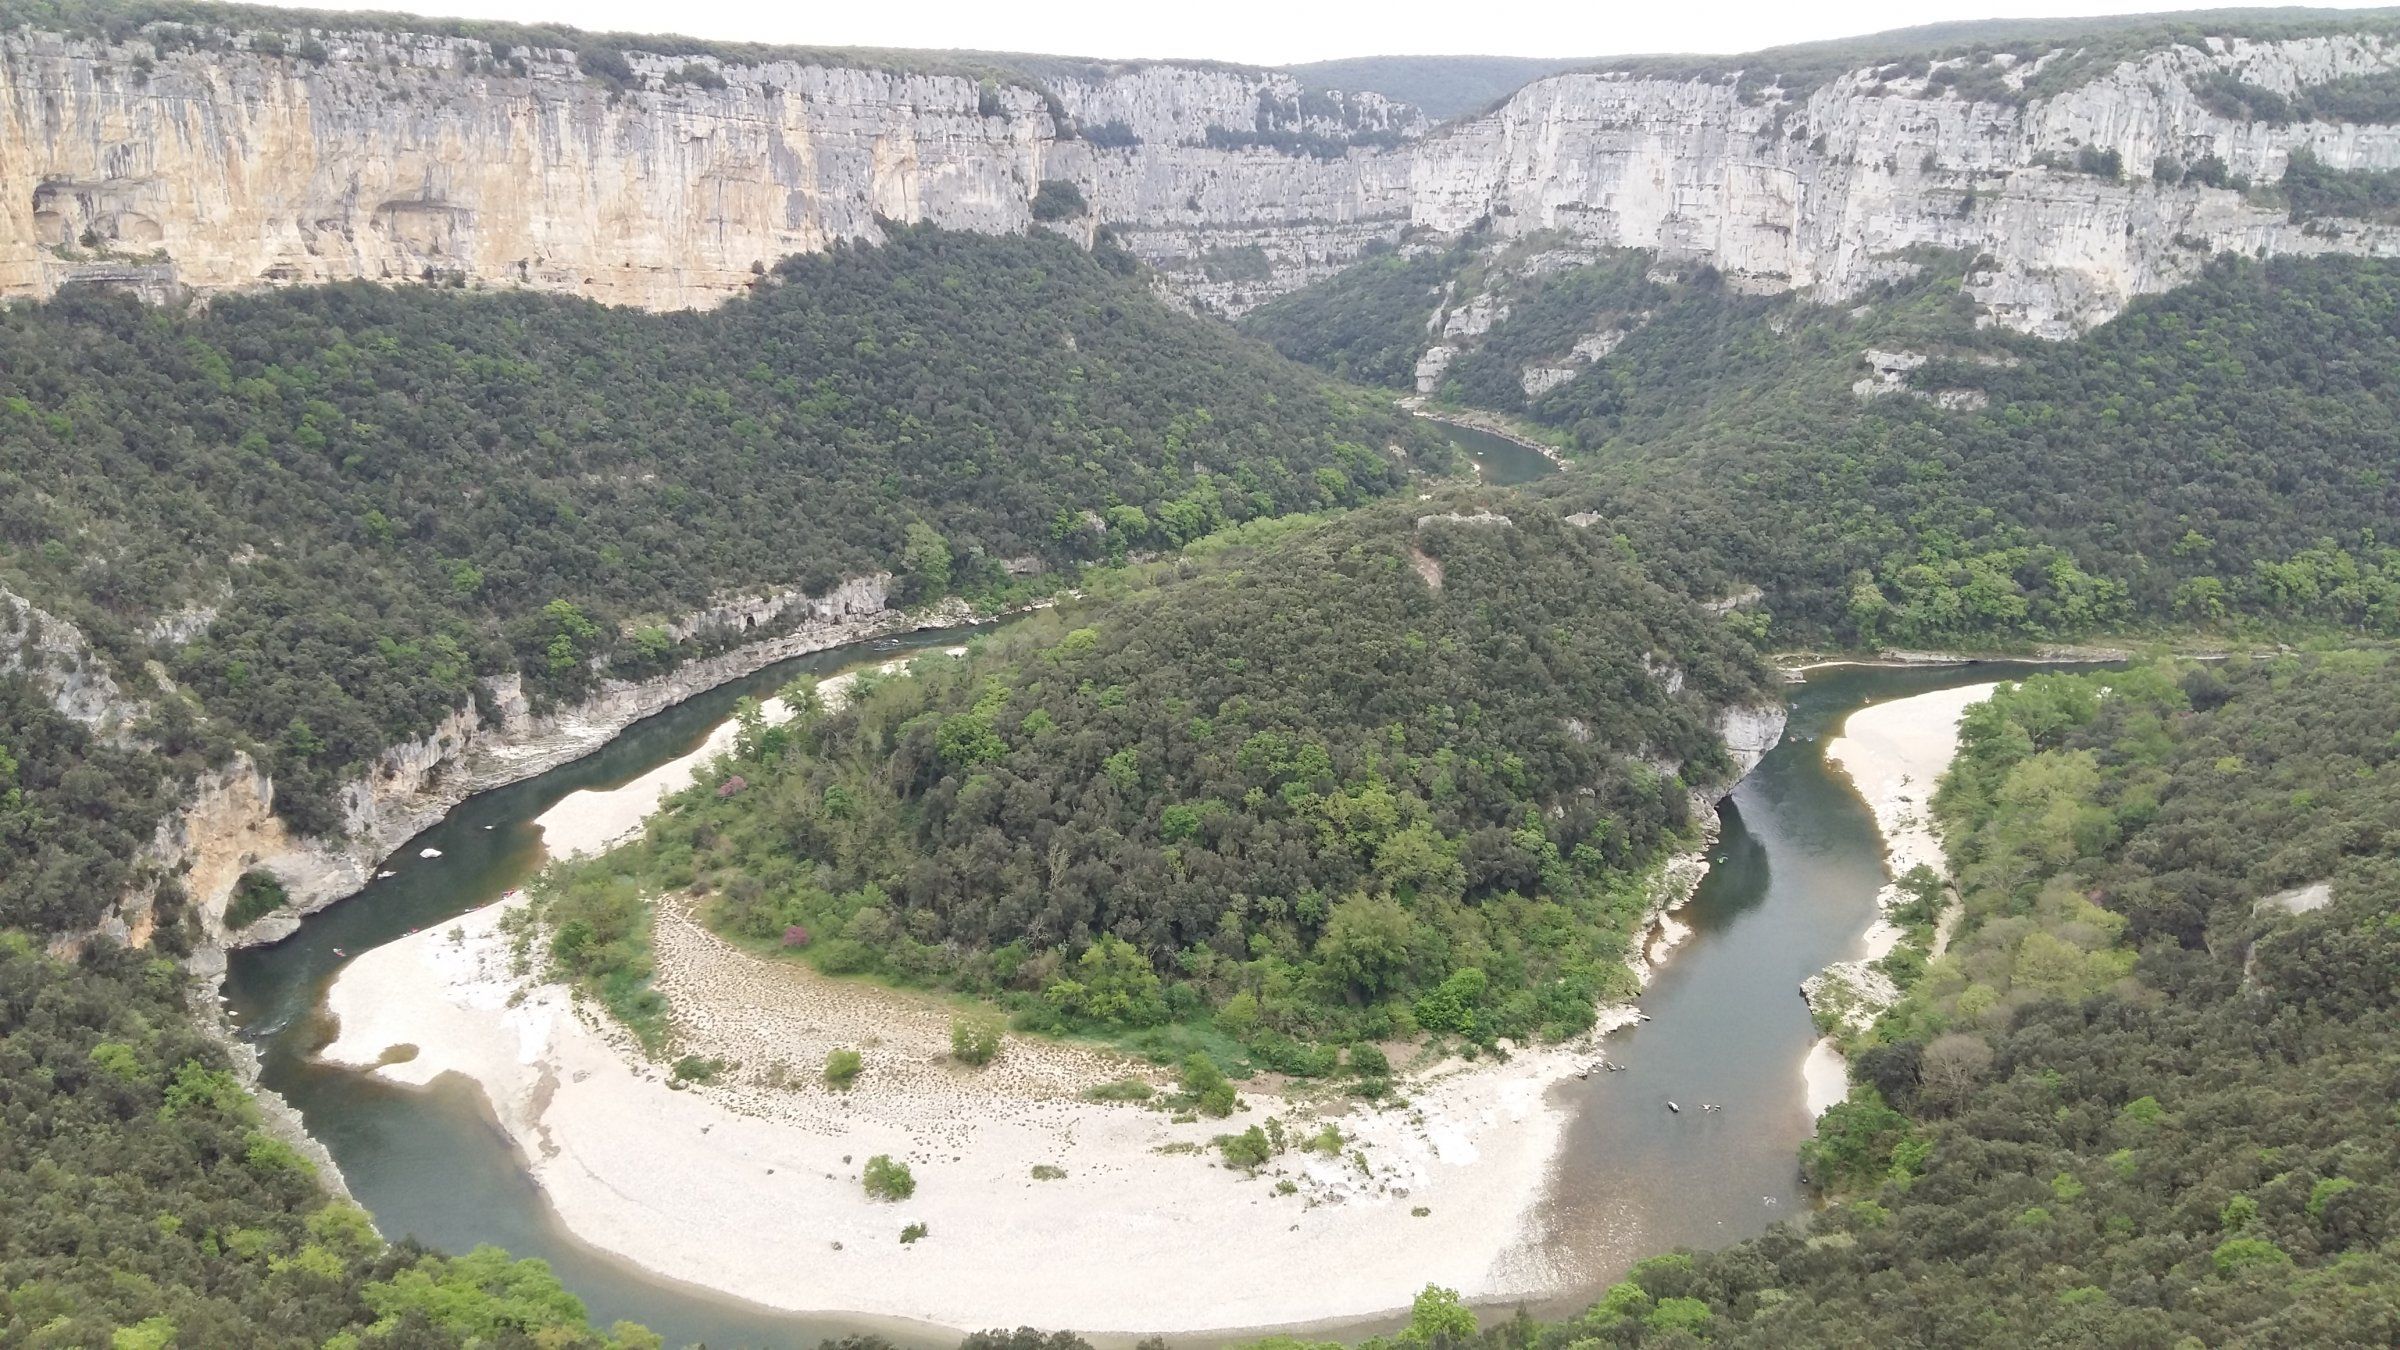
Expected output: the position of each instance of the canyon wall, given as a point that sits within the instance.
(406, 157)
(400, 157)
(226, 824)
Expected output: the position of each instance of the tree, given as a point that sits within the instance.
(1438, 1317)
(924, 563)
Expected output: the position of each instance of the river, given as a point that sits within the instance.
(434, 1165)
(1790, 891)
(1498, 460)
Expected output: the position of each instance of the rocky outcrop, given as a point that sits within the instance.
(1830, 192)
(226, 824)
(409, 157)
(1748, 732)
(56, 657)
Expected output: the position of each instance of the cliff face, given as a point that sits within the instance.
(1830, 192)
(401, 157)
(406, 157)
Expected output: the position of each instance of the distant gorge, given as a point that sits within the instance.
(415, 158)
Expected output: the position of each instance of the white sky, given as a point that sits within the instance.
(1276, 32)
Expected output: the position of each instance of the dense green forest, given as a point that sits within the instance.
(2133, 1105)
(384, 493)
(148, 1206)
(2218, 456)
(1407, 770)
(1365, 322)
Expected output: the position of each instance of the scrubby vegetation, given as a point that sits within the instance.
(2079, 50)
(255, 896)
(1318, 784)
(974, 1040)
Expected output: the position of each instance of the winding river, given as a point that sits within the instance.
(1790, 891)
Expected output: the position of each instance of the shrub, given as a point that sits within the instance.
(607, 65)
(1369, 1061)
(974, 1040)
(887, 1180)
(1122, 1090)
(1205, 1087)
(796, 937)
(695, 1069)
(1248, 1150)
(1045, 1172)
(912, 1233)
(842, 1066)
(1058, 199)
(255, 896)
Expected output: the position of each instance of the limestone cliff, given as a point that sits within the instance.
(1830, 191)
(399, 157)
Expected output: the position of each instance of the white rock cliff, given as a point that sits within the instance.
(406, 157)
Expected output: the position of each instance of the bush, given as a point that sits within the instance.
(887, 1180)
(1206, 1089)
(912, 1233)
(695, 1069)
(1122, 1090)
(842, 1066)
(698, 75)
(607, 65)
(974, 1040)
(1058, 199)
(1248, 1150)
(255, 896)
(1046, 1172)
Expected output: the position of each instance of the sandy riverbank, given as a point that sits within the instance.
(1895, 754)
(753, 1189)
(597, 819)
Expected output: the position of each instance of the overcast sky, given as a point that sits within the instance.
(1273, 32)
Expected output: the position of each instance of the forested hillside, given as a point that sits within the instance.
(148, 1205)
(306, 522)
(1405, 770)
(2219, 456)
(2147, 1099)
(363, 498)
